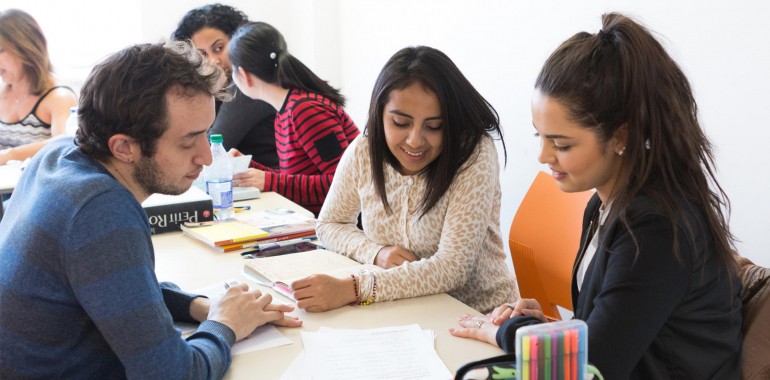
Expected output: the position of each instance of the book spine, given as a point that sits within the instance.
(254, 243)
(169, 218)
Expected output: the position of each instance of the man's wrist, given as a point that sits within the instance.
(199, 308)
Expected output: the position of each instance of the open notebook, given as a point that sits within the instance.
(279, 272)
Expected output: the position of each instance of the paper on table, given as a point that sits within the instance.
(297, 370)
(265, 336)
(352, 354)
(430, 335)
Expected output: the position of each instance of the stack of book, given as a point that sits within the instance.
(167, 213)
(252, 229)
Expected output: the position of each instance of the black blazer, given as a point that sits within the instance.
(649, 315)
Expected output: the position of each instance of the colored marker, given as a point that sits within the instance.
(525, 357)
(534, 350)
(554, 356)
(564, 357)
(546, 356)
(582, 348)
(574, 357)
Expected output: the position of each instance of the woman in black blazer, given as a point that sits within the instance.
(654, 279)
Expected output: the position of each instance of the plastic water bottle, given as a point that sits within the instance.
(71, 126)
(219, 179)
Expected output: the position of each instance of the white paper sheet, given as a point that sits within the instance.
(240, 163)
(298, 369)
(356, 354)
(265, 336)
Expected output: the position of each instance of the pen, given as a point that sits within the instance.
(241, 208)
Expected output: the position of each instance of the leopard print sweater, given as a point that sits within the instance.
(458, 241)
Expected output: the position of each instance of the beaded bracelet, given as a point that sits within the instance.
(355, 288)
(364, 285)
(374, 291)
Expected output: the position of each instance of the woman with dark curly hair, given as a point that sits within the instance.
(245, 124)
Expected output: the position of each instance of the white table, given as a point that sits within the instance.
(9, 177)
(193, 265)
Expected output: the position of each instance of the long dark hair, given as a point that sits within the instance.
(261, 50)
(622, 76)
(466, 115)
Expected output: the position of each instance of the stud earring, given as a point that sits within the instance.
(621, 151)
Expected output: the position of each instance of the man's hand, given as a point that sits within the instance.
(243, 310)
(199, 308)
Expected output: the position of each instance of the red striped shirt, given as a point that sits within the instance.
(311, 132)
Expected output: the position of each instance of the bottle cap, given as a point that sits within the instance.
(215, 138)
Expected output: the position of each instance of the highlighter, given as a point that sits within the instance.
(574, 357)
(582, 343)
(566, 353)
(534, 349)
(547, 366)
(525, 357)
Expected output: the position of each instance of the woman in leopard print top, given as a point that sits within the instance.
(425, 179)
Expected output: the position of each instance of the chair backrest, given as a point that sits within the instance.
(544, 239)
(755, 294)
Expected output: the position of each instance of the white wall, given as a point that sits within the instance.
(500, 45)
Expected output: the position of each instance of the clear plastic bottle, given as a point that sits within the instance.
(219, 179)
(71, 126)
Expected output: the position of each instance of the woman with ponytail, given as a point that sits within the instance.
(311, 128)
(655, 279)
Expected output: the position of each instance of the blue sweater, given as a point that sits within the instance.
(78, 292)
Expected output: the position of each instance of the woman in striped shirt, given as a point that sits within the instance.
(311, 128)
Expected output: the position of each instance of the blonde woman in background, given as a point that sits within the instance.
(33, 109)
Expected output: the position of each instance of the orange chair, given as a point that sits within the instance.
(544, 240)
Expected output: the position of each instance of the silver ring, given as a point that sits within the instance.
(478, 324)
(509, 305)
